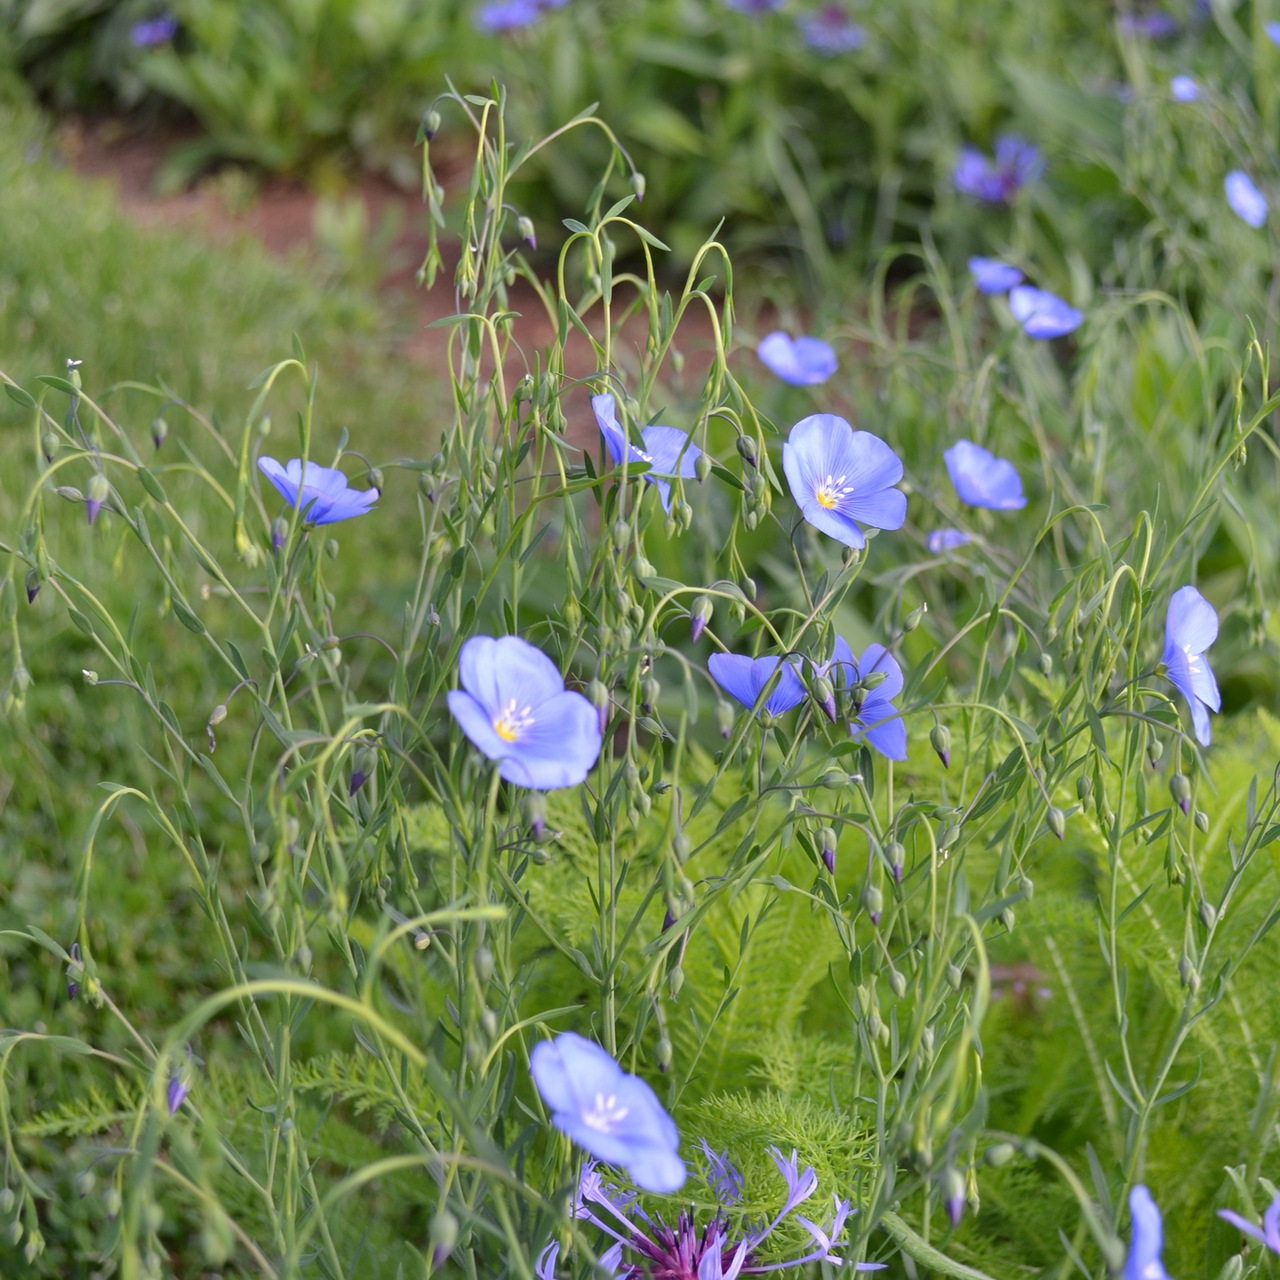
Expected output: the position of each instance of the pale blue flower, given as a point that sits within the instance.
(615, 1116)
(1269, 1234)
(841, 478)
(873, 715)
(1184, 89)
(1143, 1262)
(941, 540)
(983, 480)
(1154, 26)
(667, 450)
(744, 678)
(1042, 314)
(1190, 627)
(993, 276)
(514, 707)
(803, 362)
(1246, 201)
(320, 492)
(1017, 162)
(831, 31)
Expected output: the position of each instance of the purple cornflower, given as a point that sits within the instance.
(1042, 314)
(177, 1092)
(514, 707)
(871, 711)
(993, 276)
(1017, 162)
(744, 678)
(668, 451)
(1143, 1262)
(613, 1115)
(831, 31)
(1269, 1234)
(1184, 89)
(723, 1249)
(321, 492)
(721, 1176)
(153, 31)
(841, 478)
(983, 480)
(1154, 26)
(803, 362)
(941, 540)
(1190, 627)
(1246, 201)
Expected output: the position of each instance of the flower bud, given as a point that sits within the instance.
(825, 697)
(527, 233)
(747, 448)
(700, 613)
(430, 127)
(675, 980)
(724, 719)
(952, 1191)
(827, 841)
(620, 533)
(375, 479)
(7, 1200)
(926, 1041)
(638, 185)
(874, 1024)
(159, 430)
(1187, 972)
(873, 903)
(1202, 821)
(940, 739)
(49, 444)
(484, 964)
(366, 762)
(999, 1155)
(1056, 821)
(15, 1231)
(444, 1233)
(649, 691)
(835, 779)
(33, 585)
(90, 677)
(663, 1053)
(954, 977)
(915, 617)
(898, 983)
(1155, 749)
(1084, 787)
(279, 532)
(598, 696)
(535, 808)
(1180, 790)
(1208, 915)
(97, 492)
(702, 467)
(896, 854)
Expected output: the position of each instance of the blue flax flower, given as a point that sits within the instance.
(514, 707)
(941, 540)
(1153, 26)
(872, 714)
(754, 7)
(153, 31)
(509, 15)
(803, 362)
(668, 451)
(1190, 627)
(983, 480)
(320, 492)
(1042, 314)
(1184, 89)
(993, 276)
(831, 31)
(1246, 201)
(613, 1115)
(1269, 1234)
(841, 478)
(1273, 32)
(1143, 1262)
(177, 1092)
(744, 678)
(1017, 162)
(725, 1248)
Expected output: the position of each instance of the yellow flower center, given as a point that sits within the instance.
(512, 722)
(830, 492)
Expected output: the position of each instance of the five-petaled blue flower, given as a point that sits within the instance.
(1143, 1262)
(945, 540)
(322, 495)
(667, 450)
(1246, 201)
(1184, 89)
(745, 677)
(841, 478)
(993, 276)
(1190, 627)
(983, 480)
(872, 715)
(1017, 162)
(613, 1115)
(1042, 314)
(831, 31)
(803, 362)
(1269, 1234)
(514, 707)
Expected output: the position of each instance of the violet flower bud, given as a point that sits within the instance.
(827, 839)
(825, 696)
(1180, 789)
(97, 493)
(940, 739)
(365, 763)
(724, 718)
(896, 854)
(536, 809)
(279, 533)
(873, 903)
(598, 696)
(527, 232)
(699, 615)
(159, 430)
(33, 585)
(953, 1195)
(638, 185)
(177, 1093)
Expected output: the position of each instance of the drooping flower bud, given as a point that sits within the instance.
(536, 809)
(724, 718)
(898, 982)
(1084, 787)
(681, 847)
(747, 448)
(825, 697)
(159, 430)
(49, 444)
(1155, 749)
(527, 232)
(953, 1195)
(97, 492)
(702, 466)
(444, 1235)
(1208, 915)
(699, 615)
(873, 680)
(835, 779)
(375, 479)
(598, 696)
(940, 739)
(1180, 790)
(1056, 821)
(915, 617)
(279, 532)
(999, 1154)
(621, 533)
(366, 762)
(177, 1092)
(663, 1052)
(1202, 821)
(33, 585)
(827, 839)
(649, 691)
(430, 124)
(896, 854)
(638, 185)
(873, 903)
(216, 717)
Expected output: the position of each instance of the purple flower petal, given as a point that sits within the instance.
(1184, 89)
(321, 492)
(983, 480)
(1191, 627)
(744, 678)
(940, 540)
(667, 450)
(993, 276)
(1246, 201)
(1143, 1262)
(1041, 314)
(831, 31)
(803, 362)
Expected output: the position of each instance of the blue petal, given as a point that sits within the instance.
(671, 452)
(497, 672)
(477, 724)
(1191, 622)
(1143, 1262)
(806, 362)
(882, 725)
(1184, 89)
(735, 674)
(945, 540)
(983, 480)
(878, 658)
(1041, 314)
(1200, 721)
(1245, 199)
(559, 748)
(993, 276)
